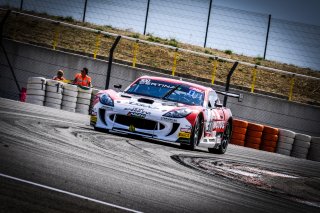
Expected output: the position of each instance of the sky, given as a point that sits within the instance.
(304, 11)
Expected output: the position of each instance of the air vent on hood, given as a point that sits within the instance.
(145, 100)
(125, 96)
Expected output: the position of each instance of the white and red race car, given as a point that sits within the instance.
(168, 110)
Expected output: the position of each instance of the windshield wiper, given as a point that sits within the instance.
(171, 91)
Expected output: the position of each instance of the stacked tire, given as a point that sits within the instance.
(83, 100)
(69, 98)
(301, 146)
(285, 141)
(269, 139)
(239, 129)
(53, 94)
(314, 151)
(253, 136)
(36, 88)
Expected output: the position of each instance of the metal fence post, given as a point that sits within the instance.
(110, 60)
(21, 5)
(228, 82)
(4, 19)
(146, 20)
(267, 38)
(209, 13)
(84, 10)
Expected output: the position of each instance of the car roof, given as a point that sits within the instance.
(175, 81)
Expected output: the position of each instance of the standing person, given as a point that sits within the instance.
(82, 78)
(59, 76)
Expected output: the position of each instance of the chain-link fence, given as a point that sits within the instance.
(151, 54)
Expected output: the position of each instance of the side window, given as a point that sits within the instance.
(213, 98)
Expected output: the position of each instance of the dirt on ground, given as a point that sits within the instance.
(53, 34)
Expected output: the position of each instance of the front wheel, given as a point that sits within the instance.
(224, 141)
(195, 135)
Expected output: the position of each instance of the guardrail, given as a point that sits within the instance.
(177, 60)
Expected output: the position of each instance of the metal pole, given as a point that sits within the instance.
(209, 13)
(4, 50)
(145, 23)
(228, 82)
(110, 60)
(267, 38)
(21, 5)
(84, 10)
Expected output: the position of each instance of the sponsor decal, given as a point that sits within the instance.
(137, 112)
(184, 134)
(218, 125)
(185, 129)
(155, 84)
(142, 105)
(172, 120)
(132, 128)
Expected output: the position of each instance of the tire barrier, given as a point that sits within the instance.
(83, 100)
(285, 141)
(36, 88)
(301, 146)
(269, 139)
(69, 98)
(54, 91)
(239, 130)
(253, 136)
(314, 151)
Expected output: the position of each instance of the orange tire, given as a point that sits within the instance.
(269, 143)
(252, 145)
(255, 127)
(253, 140)
(239, 123)
(239, 130)
(238, 136)
(269, 137)
(237, 142)
(270, 130)
(268, 149)
(254, 134)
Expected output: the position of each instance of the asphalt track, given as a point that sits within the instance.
(53, 161)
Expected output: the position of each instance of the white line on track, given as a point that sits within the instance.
(68, 193)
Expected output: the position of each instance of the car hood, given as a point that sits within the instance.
(132, 102)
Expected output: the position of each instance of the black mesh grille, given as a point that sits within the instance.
(136, 122)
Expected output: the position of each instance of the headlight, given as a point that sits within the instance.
(180, 113)
(106, 100)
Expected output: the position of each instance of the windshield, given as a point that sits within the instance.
(168, 91)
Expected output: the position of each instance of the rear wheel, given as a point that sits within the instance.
(224, 141)
(195, 135)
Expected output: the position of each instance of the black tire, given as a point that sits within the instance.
(224, 141)
(195, 136)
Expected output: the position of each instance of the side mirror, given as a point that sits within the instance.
(117, 86)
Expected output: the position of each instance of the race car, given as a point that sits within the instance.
(168, 110)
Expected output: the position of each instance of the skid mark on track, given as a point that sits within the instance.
(295, 187)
